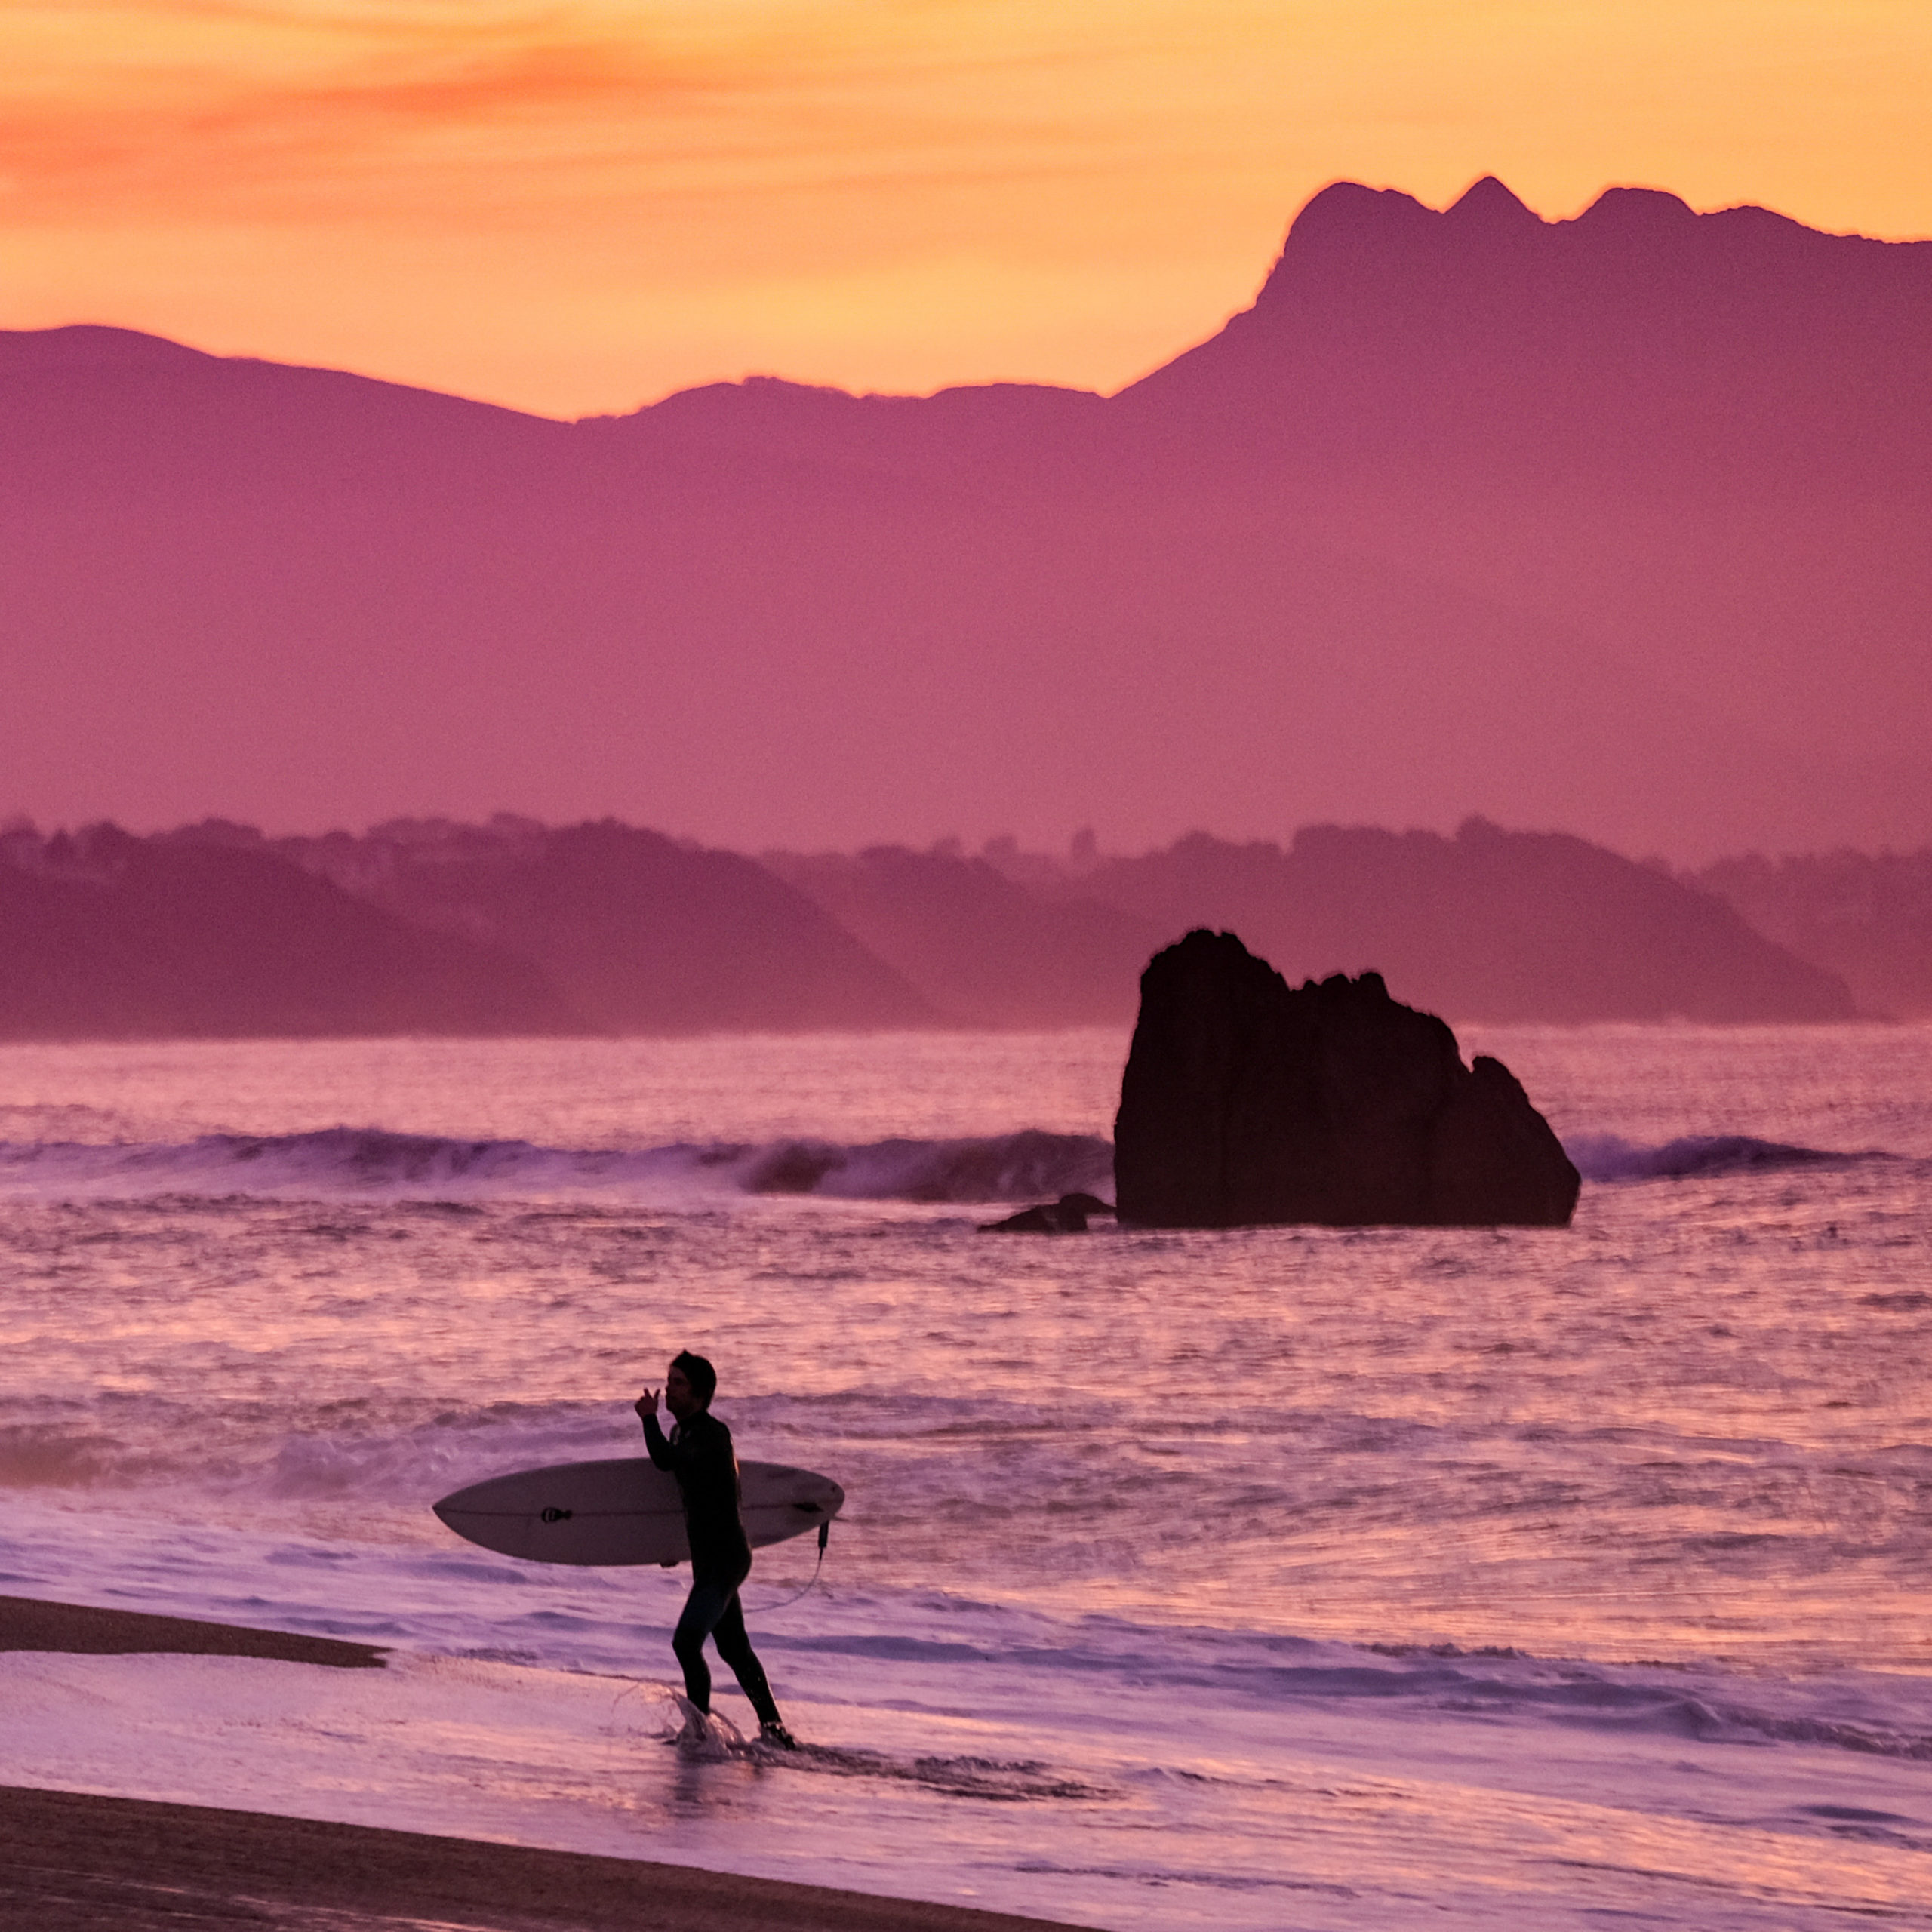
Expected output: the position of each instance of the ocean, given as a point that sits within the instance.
(1356, 1580)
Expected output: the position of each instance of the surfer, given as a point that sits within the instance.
(698, 1452)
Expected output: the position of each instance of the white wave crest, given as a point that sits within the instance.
(375, 1162)
(1608, 1157)
(1029, 1165)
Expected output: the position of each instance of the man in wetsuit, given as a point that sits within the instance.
(699, 1453)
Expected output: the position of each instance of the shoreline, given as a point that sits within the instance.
(78, 1860)
(38, 1623)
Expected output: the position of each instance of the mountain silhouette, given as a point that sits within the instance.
(110, 936)
(983, 949)
(1616, 523)
(1488, 925)
(1866, 917)
(438, 927)
(639, 933)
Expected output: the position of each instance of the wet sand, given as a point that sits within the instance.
(76, 1862)
(27, 1624)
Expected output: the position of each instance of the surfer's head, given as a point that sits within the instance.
(698, 1377)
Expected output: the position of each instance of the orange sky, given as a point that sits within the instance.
(579, 207)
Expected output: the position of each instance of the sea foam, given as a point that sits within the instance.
(1025, 1165)
(1608, 1157)
(377, 1161)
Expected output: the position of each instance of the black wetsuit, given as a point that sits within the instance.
(698, 1454)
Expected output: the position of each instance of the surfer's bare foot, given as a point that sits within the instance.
(775, 1734)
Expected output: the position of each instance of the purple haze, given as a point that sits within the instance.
(1617, 524)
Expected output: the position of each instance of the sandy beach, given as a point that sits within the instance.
(79, 1859)
(30, 1623)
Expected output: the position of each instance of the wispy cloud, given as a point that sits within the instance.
(327, 116)
(200, 107)
(572, 202)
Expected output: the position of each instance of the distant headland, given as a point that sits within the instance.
(511, 926)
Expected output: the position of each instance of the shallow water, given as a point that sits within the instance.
(1191, 1528)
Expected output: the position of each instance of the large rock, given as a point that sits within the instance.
(1246, 1101)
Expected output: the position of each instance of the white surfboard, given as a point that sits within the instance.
(625, 1510)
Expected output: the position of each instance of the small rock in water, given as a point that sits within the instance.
(1067, 1216)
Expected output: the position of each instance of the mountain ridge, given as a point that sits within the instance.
(213, 930)
(1287, 577)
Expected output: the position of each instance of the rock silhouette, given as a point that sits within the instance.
(1068, 1215)
(1246, 1102)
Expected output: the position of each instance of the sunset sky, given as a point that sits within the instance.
(581, 206)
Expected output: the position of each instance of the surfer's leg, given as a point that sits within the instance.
(735, 1648)
(703, 1608)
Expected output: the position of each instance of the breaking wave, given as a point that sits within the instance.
(1607, 1157)
(372, 1160)
(1026, 1165)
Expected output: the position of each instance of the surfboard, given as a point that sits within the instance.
(625, 1510)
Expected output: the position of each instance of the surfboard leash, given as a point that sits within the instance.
(785, 1603)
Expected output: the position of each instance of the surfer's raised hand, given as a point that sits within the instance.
(647, 1403)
